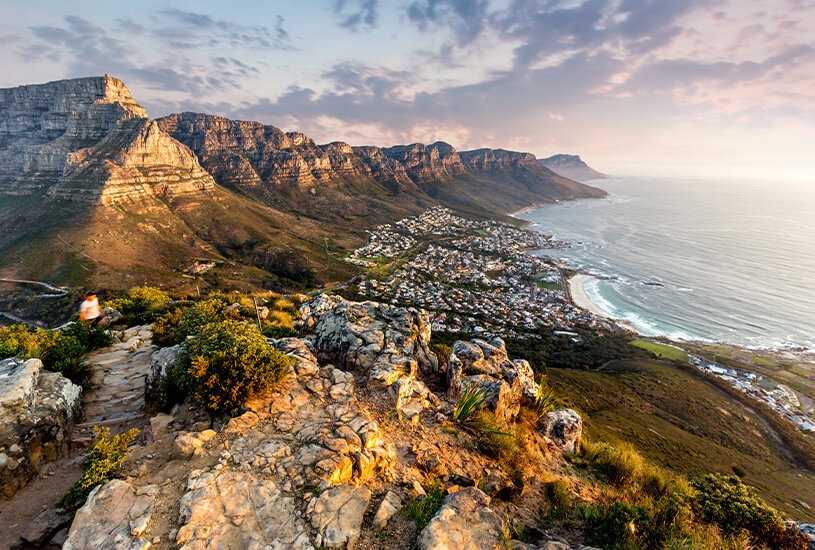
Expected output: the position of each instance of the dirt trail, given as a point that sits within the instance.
(117, 402)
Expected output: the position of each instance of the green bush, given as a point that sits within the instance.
(105, 454)
(725, 501)
(470, 401)
(422, 511)
(140, 304)
(226, 364)
(443, 352)
(279, 331)
(186, 320)
(63, 351)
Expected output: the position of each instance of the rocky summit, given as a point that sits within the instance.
(88, 140)
(334, 458)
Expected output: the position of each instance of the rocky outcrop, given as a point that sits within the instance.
(37, 412)
(386, 345)
(427, 164)
(495, 159)
(564, 427)
(485, 364)
(87, 140)
(115, 515)
(571, 166)
(250, 155)
(464, 522)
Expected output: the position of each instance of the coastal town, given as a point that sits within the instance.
(475, 276)
(479, 277)
(776, 396)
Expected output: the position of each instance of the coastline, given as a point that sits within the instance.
(581, 298)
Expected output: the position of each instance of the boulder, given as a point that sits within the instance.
(161, 360)
(238, 510)
(46, 525)
(337, 515)
(190, 444)
(115, 516)
(484, 363)
(387, 508)
(37, 411)
(564, 428)
(464, 522)
(111, 315)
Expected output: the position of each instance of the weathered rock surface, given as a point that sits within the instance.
(115, 516)
(464, 522)
(37, 411)
(485, 364)
(387, 345)
(337, 515)
(161, 360)
(391, 504)
(239, 510)
(564, 427)
(46, 525)
(87, 140)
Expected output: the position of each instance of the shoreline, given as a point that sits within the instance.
(581, 298)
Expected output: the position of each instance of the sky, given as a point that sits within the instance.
(700, 88)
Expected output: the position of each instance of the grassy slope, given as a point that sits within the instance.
(661, 350)
(678, 421)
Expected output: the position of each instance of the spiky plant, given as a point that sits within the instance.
(471, 400)
(545, 398)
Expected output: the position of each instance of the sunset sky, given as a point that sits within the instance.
(655, 87)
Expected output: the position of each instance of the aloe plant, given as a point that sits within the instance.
(470, 401)
(545, 398)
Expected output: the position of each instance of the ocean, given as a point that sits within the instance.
(728, 261)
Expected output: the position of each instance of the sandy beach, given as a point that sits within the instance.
(579, 296)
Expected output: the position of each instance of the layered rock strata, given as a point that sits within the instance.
(37, 412)
(87, 140)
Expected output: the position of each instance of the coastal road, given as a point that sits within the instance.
(565, 285)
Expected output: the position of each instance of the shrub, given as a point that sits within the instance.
(140, 304)
(725, 501)
(443, 353)
(422, 511)
(174, 326)
(227, 364)
(60, 351)
(105, 454)
(281, 318)
(277, 331)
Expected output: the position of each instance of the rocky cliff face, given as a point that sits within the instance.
(248, 154)
(427, 164)
(88, 140)
(571, 166)
(496, 159)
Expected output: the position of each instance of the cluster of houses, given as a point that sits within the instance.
(476, 276)
(382, 243)
(777, 396)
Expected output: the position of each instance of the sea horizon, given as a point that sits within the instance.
(691, 259)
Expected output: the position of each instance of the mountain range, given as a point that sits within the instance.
(94, 192)
(572, 166)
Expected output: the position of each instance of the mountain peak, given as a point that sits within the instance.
(571, 166)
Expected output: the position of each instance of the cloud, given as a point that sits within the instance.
(357, 15)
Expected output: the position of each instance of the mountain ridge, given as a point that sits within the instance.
(572, 166)
(69, 149)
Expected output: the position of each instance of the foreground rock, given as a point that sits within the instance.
(337, 515)
(564, 428)
(464, 522)
(385, 344)
(485, 364)
(114, 516)
(37, 412)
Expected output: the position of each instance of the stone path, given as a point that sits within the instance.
(117, 400)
